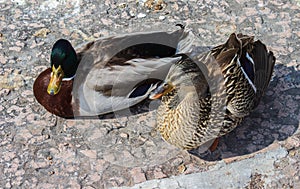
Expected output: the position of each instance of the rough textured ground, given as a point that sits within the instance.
(40, 150)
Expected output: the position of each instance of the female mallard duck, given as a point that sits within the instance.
(186, 118)
(105, 75)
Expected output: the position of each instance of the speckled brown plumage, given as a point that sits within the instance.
(186, 119)
(241, 97)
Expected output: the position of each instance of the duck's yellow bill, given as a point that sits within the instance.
(57, 75)
(161, 90)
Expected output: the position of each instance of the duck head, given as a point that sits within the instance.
(163, 89)
(64, 64)
(183, 77)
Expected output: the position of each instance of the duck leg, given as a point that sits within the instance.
(214, 145)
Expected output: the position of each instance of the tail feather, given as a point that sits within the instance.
(264, 65)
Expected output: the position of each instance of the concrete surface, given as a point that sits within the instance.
(40, 150)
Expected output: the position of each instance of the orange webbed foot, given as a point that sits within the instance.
(214, 145)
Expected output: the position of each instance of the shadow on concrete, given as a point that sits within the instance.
(275, 118)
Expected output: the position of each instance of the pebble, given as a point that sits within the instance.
(122, 5)
(17, 49)
(158, 174)
(161, 17)
(131, 13)
(2, 59)
(124, 135)
(141, 15)
(90, 153)
(181, 168)
(138, 175)
(42, 32)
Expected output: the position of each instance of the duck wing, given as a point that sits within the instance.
(247, 67)
(112, 69)
(115, 89)
(264, 66)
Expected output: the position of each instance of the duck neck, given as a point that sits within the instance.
(171, 100)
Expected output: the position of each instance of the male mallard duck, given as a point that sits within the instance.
(105, 75)
(185, 117)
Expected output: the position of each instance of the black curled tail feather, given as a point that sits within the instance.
(181, 26)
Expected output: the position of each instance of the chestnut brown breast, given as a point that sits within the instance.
(59, 104)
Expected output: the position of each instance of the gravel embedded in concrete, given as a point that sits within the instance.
(40, 150)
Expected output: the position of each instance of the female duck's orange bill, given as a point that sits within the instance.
(161, 90)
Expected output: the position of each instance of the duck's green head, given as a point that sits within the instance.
(63, 64)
